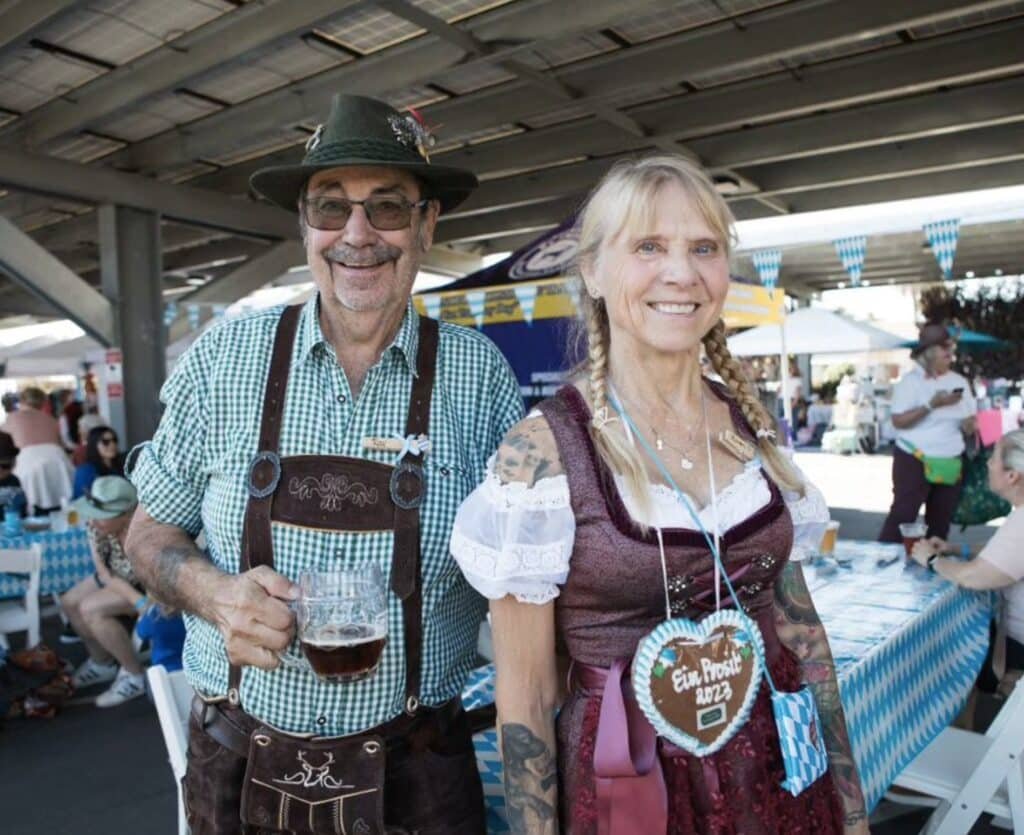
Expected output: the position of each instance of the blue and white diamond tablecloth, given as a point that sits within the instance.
(66, 560)
(907, 646)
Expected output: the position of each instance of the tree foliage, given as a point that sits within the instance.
(997, 310)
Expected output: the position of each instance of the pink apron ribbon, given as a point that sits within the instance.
(631, 794)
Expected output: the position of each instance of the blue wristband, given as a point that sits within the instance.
(965, 551)
(141, 603)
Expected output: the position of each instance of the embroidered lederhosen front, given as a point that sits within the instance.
(335, 493)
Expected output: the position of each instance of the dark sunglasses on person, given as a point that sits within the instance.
(108, 439)
(385, 213)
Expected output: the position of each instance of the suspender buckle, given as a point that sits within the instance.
(264, 474)
(412, 704)
(408, 484)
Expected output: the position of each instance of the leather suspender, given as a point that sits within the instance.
(408, 486)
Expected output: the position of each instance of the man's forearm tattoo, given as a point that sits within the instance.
(530, 781)
(164, 581)
(800, 629)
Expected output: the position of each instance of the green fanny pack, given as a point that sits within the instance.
(936, 470)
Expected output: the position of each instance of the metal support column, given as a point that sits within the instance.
(130, 268)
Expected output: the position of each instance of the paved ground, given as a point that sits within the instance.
(92, 771)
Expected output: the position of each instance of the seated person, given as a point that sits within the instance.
(97, 604)
(102, 457)
(1000, 564)
(165, 631)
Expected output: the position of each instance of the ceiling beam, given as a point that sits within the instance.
(49, 175)
(520, 219)
(515, 27)
(250, 276)
(921, 157)
(901, 71)
(204, 48)
(444, 260)
(34, 269)
(24, 18)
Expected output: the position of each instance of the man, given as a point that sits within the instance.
(372, 430)
(932, 410)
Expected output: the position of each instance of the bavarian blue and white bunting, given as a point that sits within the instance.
(170, 314)
(942, 235)
(432, 304)
(767, 262)
(851, 252)
(527, 298)
(193, 315)
(475, 299)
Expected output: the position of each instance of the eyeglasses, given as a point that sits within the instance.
(385, 213)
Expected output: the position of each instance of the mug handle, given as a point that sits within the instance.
(300, 663)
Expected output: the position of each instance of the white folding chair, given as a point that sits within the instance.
(172, 695)
(21, 615)
(971, 773)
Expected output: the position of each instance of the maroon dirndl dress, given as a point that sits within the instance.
(614, 596)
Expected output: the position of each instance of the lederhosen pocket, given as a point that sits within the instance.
(310, 785)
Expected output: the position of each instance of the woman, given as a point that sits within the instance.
(42, 465)
(102, 457)
(932, 410)
(96, 605)
(1000, 564)
(566, 533)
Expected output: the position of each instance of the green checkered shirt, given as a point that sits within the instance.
(193, 475)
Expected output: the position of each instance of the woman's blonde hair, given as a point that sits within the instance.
(625, 200)
(1011, 450)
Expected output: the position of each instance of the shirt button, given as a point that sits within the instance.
(321, 720)
(341, 398)
(445, 472)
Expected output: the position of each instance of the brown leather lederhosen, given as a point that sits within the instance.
(340, 493)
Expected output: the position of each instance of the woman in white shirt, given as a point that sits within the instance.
(932, 409)
(581, 544)
(1000, 564)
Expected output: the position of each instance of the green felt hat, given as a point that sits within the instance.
(365, 131)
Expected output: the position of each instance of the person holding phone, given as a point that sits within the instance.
(932, 410)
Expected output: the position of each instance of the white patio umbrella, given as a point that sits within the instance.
(814, 330)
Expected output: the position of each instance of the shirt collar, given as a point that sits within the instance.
(405, 344)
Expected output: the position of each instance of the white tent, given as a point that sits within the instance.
(813, 330)
(69, 356)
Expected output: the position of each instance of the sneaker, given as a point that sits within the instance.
(92, 672)
(69, 636)
(126, 687)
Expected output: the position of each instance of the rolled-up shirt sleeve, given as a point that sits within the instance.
(168, 471)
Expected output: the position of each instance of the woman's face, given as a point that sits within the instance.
(1001, 481)
(107, 445)
(664, 287)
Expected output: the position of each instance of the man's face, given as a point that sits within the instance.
(359, 267)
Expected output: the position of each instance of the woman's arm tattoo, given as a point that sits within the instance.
(531, 781)
(799, 628)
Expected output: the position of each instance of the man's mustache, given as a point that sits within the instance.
(363, 256)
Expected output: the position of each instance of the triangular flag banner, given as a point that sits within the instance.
(475, 298)
(170, 314)
(942, 235)
(193, 316)
(767, 263)
(527, 298)
(851, 252)
(432, 304)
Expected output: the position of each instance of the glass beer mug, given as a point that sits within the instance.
(341, 623)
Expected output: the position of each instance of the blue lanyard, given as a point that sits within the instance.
(689, 508)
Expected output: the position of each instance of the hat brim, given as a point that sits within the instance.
(87, 510)
(282, 184)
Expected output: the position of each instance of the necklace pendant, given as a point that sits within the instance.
(685, 463)
(659, 443)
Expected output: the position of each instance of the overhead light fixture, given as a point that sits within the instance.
(969, 274)
(997, 271)
(892, 280)
(865, 283)
(841, 285)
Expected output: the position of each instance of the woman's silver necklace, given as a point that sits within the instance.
(685, 459)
